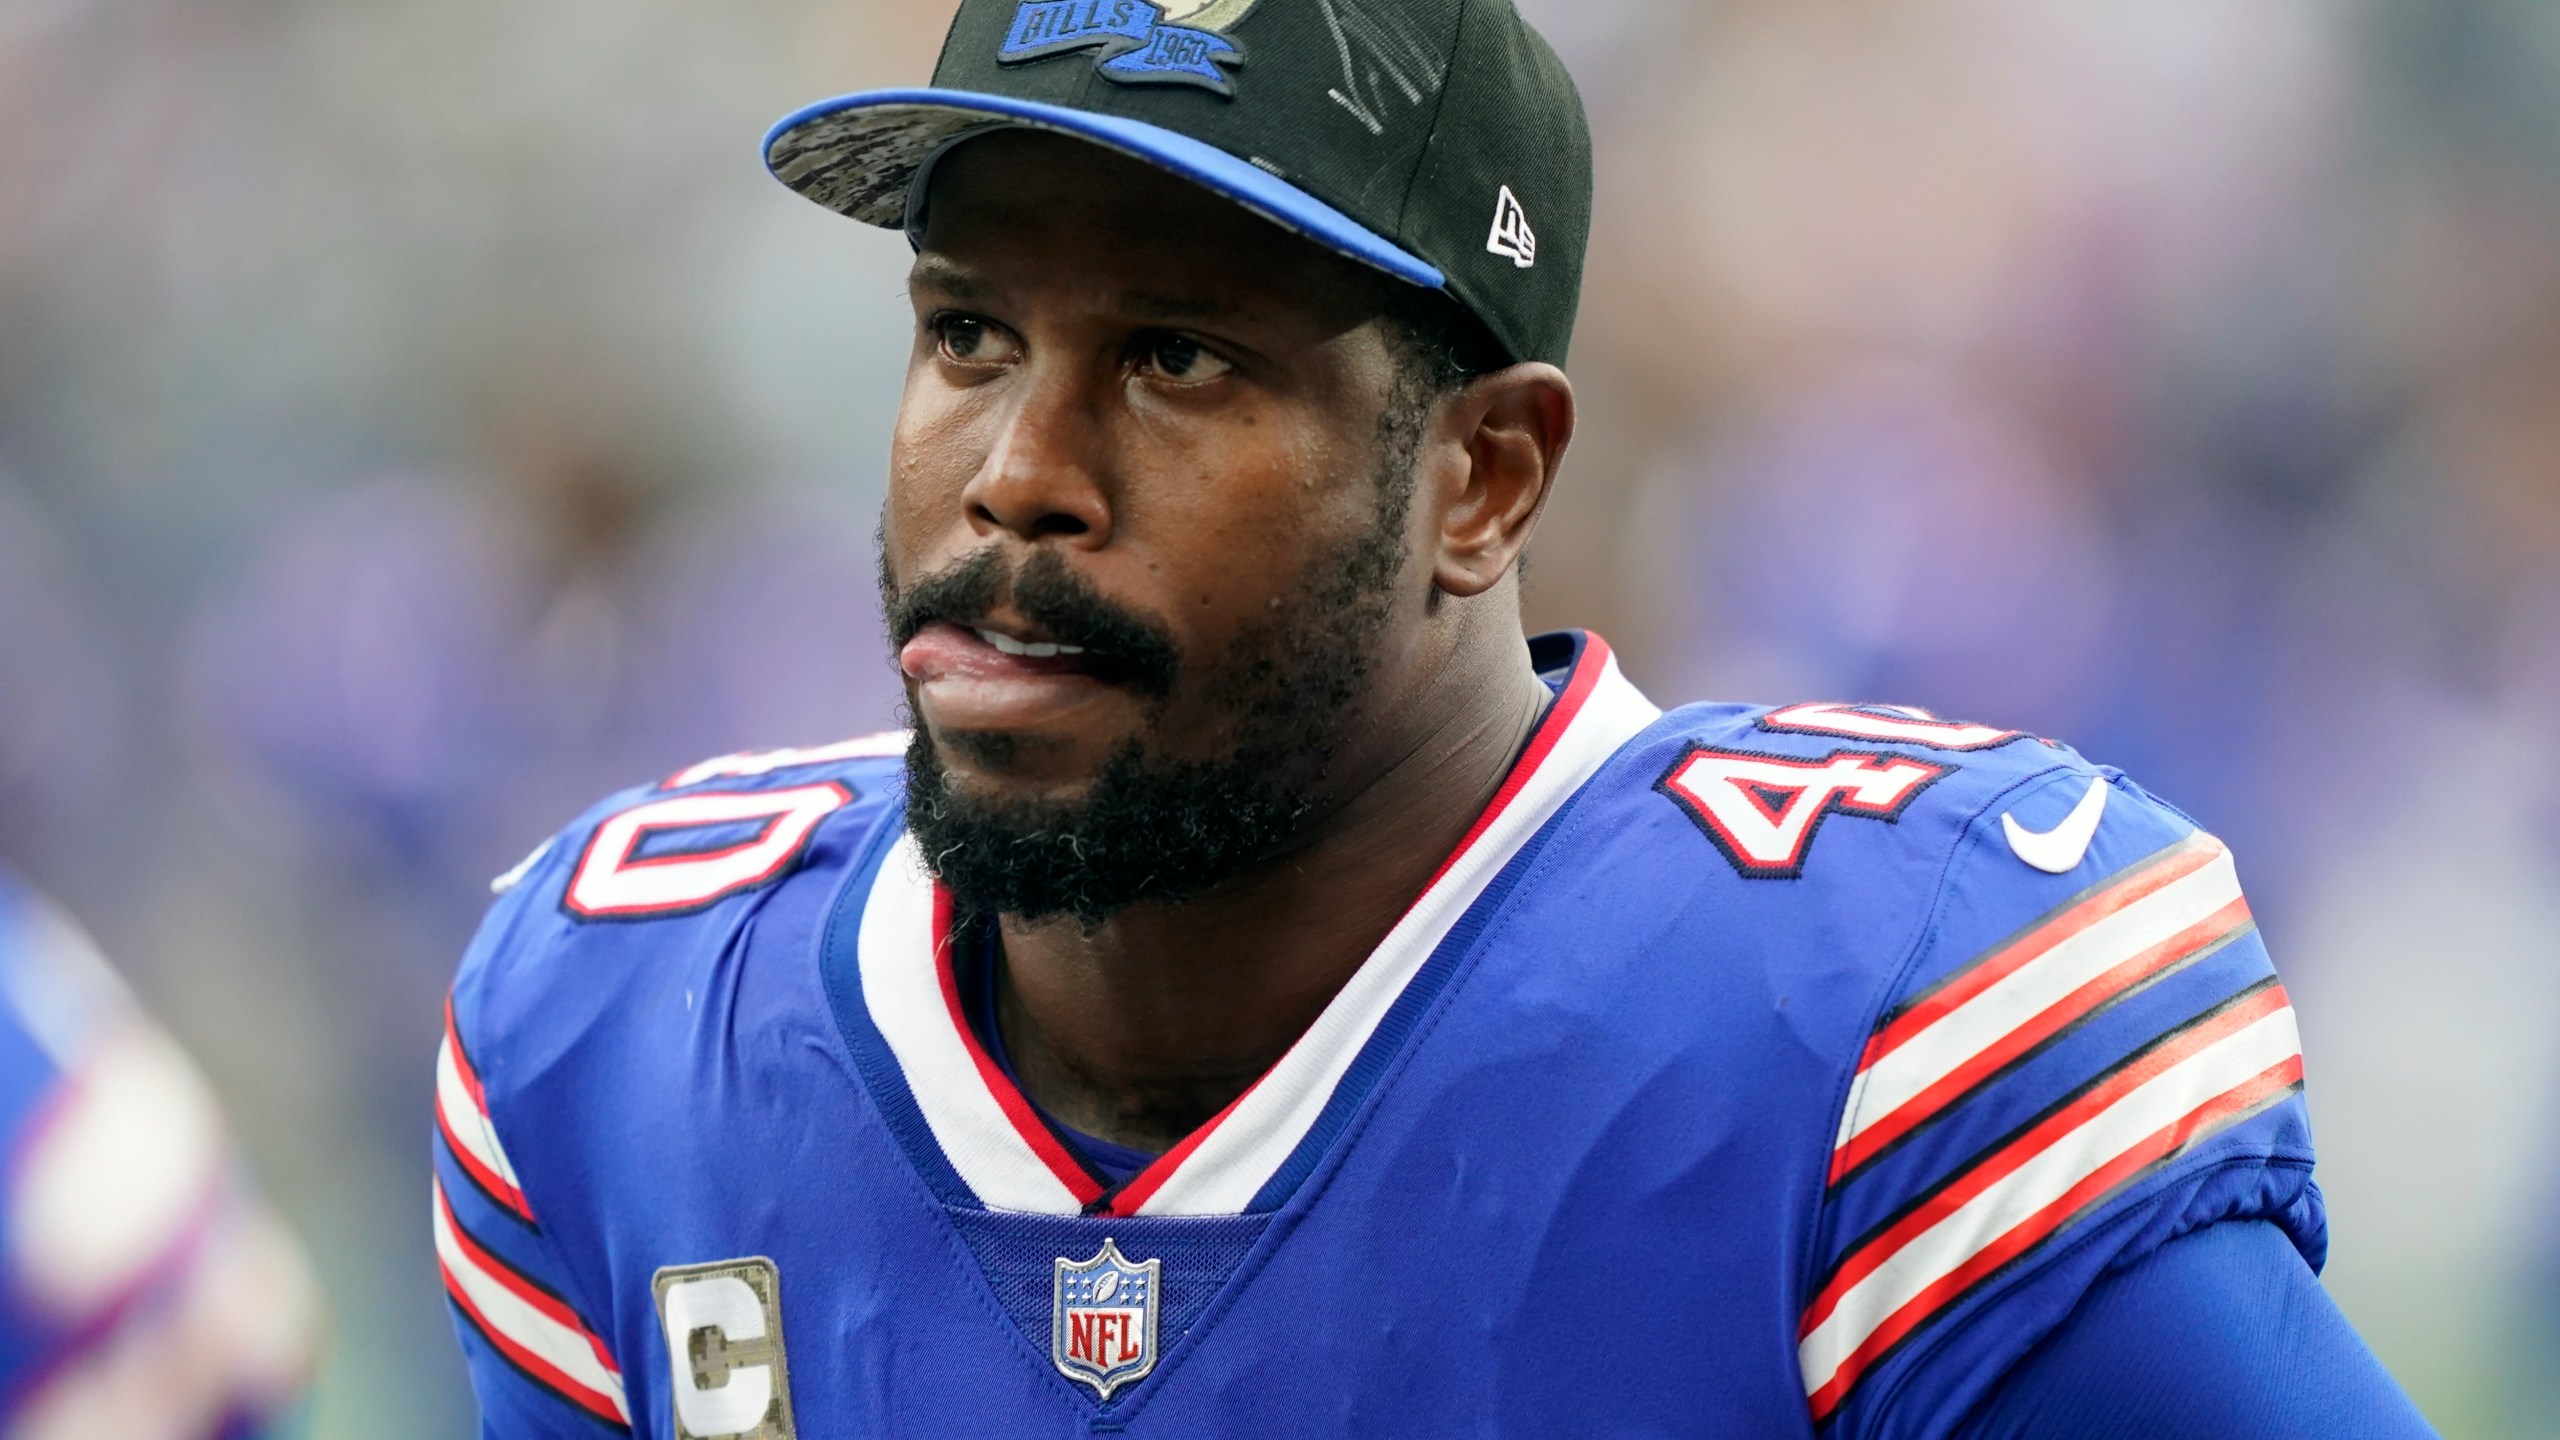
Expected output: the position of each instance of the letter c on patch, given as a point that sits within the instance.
(718, 1397)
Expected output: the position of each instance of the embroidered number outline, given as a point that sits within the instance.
(747, 764)
(1886, 725)
(610, 883)
(1762, 811)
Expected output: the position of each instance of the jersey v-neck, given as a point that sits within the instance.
(980, 959)
(979, 962)
(980, 1143)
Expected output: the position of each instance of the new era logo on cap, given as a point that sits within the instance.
(1512, 237)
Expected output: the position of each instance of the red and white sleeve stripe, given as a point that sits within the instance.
(2203, 1078)
(2163, 914)
(532, 1327)
(462, 1117)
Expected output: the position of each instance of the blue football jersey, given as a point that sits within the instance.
(1744, 1073)
(148, 1295)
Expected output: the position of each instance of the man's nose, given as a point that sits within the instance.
(1044, 476)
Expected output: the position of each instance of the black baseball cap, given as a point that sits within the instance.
(1440, 141)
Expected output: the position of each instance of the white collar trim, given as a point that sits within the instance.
(996, 1144)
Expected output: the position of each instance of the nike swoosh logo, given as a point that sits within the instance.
(2060, 849)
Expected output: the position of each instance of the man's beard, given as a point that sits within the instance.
(1151, 828)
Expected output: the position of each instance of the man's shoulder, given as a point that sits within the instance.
(1933, 969)
(2006, 1013)
(1847, 849)
(651, 892)
(1833, 799)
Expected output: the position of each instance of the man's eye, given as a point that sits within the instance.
(969, 340)
(1179, 357)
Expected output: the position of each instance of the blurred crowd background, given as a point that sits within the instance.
(419, 417)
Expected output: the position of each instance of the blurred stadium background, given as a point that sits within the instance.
(419, 417)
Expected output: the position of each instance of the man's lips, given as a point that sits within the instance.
(944, 648)
(965, 682)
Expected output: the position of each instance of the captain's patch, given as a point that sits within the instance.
(724, 1345)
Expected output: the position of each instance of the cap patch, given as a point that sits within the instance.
(1137, 42)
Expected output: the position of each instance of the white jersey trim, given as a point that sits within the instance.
(902, 987)
(462, 1115)
(533, 1328)
(2197, 1082)
(2165, 912)
(1229, 1168)
(1225, 1168)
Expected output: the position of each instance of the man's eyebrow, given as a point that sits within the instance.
(939, 272)
(1159, 306)
(942, 274)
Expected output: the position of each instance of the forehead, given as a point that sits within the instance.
(1024, 209)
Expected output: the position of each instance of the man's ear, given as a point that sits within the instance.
(1512, 427)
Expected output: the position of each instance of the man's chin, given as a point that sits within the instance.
(1002, 769)
(1137, 831)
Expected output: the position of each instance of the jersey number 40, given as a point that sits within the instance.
(1762, 811)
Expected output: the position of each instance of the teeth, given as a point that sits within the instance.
(1031, 650)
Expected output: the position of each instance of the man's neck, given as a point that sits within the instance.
(1140, 1030)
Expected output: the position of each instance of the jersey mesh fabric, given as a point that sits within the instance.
(1020, 1254)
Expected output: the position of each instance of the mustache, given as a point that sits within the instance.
(1126, 645)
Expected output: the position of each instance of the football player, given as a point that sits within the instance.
(1269, 996)
(149, 1295)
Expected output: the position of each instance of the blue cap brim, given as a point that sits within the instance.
(862, 154)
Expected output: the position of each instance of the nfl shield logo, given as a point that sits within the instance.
(1103, 1319)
